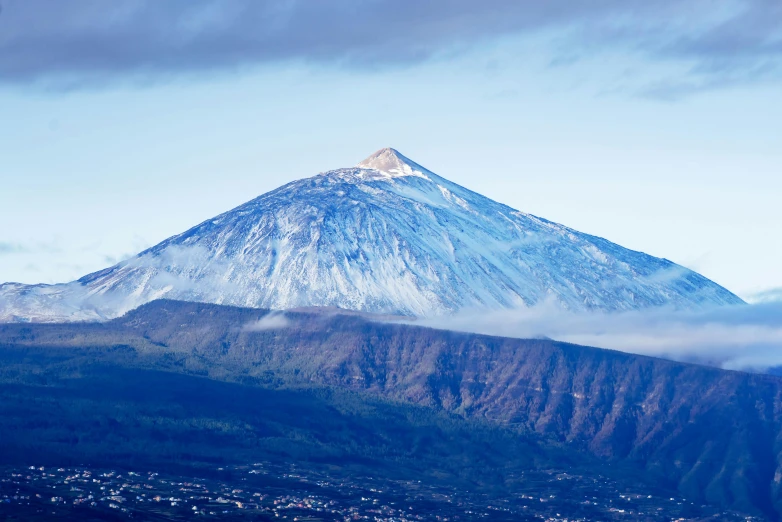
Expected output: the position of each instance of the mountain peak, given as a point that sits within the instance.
(392, 163)
(388, 236)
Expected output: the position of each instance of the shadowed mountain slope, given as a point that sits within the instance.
(714, 434)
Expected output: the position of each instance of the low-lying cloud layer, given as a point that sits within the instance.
(88, 42)
(739, 337)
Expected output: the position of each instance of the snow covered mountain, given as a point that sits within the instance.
(385, 236)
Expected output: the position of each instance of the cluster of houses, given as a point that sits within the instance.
(290, 493)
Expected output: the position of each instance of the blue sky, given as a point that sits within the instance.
(657, 124)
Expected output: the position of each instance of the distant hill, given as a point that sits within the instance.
(712, 434)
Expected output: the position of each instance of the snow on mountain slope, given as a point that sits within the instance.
(385, 236)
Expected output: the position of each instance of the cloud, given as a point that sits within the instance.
(12, 248)
(773, 295)
(113, 260)
(8, 247)
(738, 337)
(271, 321)
(90, 42)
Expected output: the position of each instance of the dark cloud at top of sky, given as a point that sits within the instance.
(88, 42)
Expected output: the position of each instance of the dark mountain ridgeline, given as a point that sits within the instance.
(712, 434)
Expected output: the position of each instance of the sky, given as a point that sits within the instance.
(656, 124)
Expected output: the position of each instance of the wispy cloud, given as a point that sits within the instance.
(91, 42)
(773, 295)
(271, 321)
(737, 337)
(12, 248)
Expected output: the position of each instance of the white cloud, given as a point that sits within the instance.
(271, 321)
(740, 337)
(773, 295)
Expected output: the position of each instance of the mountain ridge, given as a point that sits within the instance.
(712, 434)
